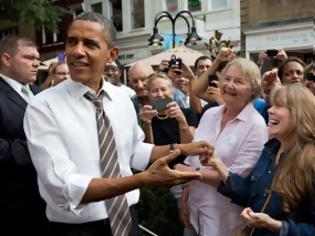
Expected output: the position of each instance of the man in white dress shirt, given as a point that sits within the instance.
(62, 135)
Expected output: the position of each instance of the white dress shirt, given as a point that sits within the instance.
(130, 92)
(239, 146)
(61, 131)
(17, 86)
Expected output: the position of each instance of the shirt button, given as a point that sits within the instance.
(269, 172)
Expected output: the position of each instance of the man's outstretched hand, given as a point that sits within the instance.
(159, 173)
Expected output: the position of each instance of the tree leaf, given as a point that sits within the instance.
(36, 12)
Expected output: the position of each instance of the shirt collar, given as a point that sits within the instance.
(243, 115)
(17, 86)
(271, 147)
(77, 89)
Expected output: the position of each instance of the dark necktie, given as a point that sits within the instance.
(117, 207)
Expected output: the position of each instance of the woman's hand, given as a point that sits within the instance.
(216, 162)
(260, 220)
(147, 113)
(174, 111)
(214, 93)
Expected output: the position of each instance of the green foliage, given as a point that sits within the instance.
(36, 12)
(215, 44)
(158, 211)
(194, 3)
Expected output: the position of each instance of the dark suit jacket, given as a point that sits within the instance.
(20, 203)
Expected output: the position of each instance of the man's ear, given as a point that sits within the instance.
(6, 59)
(113, 54)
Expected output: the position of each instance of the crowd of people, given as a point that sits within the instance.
(233, 139)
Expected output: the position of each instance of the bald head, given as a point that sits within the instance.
(137, 75)
(140, 69)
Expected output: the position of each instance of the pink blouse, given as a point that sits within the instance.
(239, 146)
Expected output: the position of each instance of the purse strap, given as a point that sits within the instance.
(266, 202)
(262, 210)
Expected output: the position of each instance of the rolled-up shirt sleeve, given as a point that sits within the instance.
(60, 184)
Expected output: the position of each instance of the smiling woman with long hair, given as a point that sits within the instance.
(285, 170)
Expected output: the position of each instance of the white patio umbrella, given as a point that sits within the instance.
(188, 55)
(44, 65)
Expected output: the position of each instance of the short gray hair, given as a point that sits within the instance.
(251, 72)
(109, 29)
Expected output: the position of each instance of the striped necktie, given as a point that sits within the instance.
(117, 207)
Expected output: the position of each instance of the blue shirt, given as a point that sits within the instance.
(262, 107)
(251, 191)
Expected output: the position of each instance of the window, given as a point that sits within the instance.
(117, 14)
(8, 31)
(219, 4)
(137, 16)
(194, 5)
(171, 5)
(49, 37)
(97, 7)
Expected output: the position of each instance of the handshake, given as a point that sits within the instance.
(207, 159)
(159, 173)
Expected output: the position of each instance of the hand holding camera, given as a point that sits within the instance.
(175, 65)
(147, 113)
(161, 104)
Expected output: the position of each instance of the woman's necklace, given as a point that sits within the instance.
(164, 117)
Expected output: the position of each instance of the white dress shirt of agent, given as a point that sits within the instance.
(237, 132)
(61, 131)
(113, 75)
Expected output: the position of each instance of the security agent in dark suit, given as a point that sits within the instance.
(21, 208)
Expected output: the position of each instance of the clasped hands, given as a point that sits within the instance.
(159, 172)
